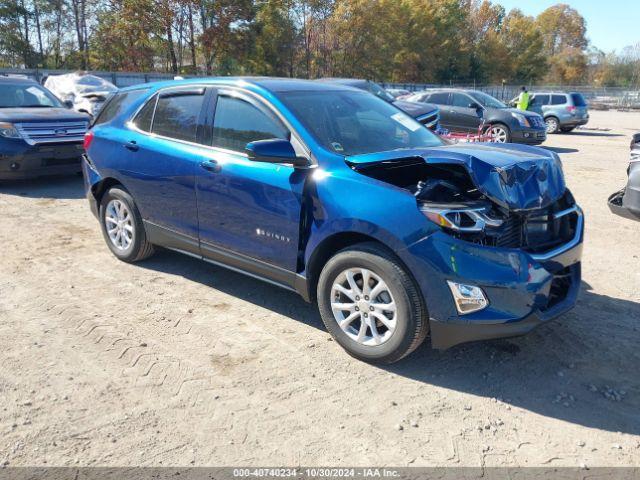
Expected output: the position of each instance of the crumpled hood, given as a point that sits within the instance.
(17, 115)
(517, 177)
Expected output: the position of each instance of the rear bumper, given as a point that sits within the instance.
(21, 161)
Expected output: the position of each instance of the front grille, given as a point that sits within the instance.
(430, 120)
(540, 230)
(58, 162)
(536, 231)
(52, 132)
(536, 121)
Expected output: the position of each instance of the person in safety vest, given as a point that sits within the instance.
(523, 99)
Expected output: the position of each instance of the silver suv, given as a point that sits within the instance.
(562, 112)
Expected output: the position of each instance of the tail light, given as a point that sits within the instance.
(571, 109)
(88, 138)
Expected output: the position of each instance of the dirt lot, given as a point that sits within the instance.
(177, 362)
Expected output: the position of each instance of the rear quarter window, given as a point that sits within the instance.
(558, 99)
(117, 104)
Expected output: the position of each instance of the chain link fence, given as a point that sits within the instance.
(598, 97)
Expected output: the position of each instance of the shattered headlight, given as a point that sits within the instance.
(472, 219)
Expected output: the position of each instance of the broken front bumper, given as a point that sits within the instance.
(524, 290)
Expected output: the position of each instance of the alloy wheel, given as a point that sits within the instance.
(551, 124)
(363, 306)
(119, 224)
(498, 134)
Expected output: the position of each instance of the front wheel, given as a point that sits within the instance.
(122, 226)
(370, 305)
(500, 133)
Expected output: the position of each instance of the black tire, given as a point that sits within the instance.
(552, 124)
(412, 325)
(139, 248)
(567, 129)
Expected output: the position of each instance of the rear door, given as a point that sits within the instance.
(447, 115)
(249, 212)
(164, 144)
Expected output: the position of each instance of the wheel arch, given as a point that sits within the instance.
(100, 188)
(331, 245)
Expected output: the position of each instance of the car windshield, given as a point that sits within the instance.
(26, 95)
(487, 101)
(353, 123)
(378, 91)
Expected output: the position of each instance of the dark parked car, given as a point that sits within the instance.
(427, 114)
(562, 112)
(39, 135)
(342, 197)
(626, 202)
(465, 110)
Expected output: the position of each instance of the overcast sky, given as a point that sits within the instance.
(611, 24)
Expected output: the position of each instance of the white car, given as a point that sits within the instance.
(86, 92)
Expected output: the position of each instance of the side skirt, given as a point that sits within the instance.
(252, 267)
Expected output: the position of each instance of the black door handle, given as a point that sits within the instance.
(132, 145)
(210, 166)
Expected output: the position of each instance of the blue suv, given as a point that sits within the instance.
(333, 193)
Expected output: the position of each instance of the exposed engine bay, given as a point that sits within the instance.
(447, 195)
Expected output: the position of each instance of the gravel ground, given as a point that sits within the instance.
(177, 362)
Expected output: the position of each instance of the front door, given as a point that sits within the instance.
(248, 210)
(467, 117)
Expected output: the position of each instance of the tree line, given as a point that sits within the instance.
(423, 41)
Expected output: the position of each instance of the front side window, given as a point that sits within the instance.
(237, 122)
(539, 100)
(460, 100)
(352, 123)
(26, 95)
(176, 116)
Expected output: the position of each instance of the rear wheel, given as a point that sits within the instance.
(370, 305)
(500, 133)
(552, 124)
(122, 226)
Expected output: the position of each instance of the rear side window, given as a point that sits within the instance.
(145, 115)
(237, 122)
(540, 100)
(117, 104)
(578, 100)
(558, 99)
(441, 98)
(177, 116)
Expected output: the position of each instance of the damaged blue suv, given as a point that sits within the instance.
(338, 195)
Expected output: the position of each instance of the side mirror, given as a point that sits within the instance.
(275, 150)
(68, 104)
(475, 106)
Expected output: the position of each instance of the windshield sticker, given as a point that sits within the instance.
(337, 147)
(406, 122)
